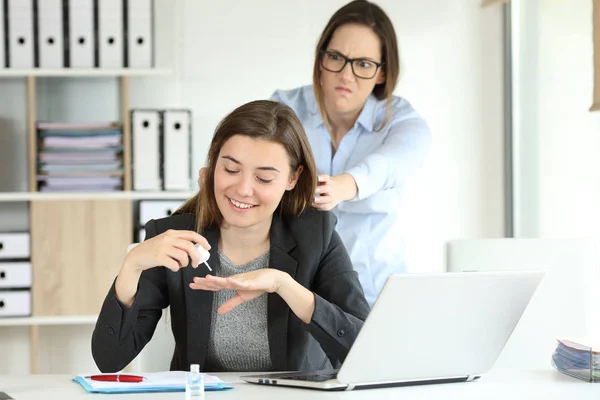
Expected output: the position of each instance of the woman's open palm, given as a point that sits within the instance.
(248, 286)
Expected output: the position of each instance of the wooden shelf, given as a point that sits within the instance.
(107, 221)
(83, 72)
(130, 195)
(37, 321)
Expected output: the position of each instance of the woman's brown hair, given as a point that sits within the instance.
(264, 120)
(365, 13)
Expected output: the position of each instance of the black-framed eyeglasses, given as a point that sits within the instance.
(361, 67)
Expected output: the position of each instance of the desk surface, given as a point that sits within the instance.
(497, 384)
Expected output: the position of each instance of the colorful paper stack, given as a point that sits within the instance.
(80, 157)
(577, 359)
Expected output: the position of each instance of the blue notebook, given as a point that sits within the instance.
(170, 381)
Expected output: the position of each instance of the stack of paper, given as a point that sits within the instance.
(577, 358)
(79, 157)
(170, 381)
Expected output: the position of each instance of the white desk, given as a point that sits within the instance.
(497, 384)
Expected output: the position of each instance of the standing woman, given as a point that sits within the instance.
(367, 142)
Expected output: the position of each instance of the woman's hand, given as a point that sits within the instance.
(252, 284)
(248, 285)
(332, 190)
(172, 249)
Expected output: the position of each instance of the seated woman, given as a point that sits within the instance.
(282, 294)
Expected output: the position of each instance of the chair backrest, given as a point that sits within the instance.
(563, 305)
(156, 355)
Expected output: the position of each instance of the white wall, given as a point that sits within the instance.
(559, 167)
(452, 72)
(557, 137)
(229, 52)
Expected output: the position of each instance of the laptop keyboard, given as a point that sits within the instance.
(311, 378)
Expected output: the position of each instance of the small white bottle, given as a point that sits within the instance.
(204, 256)
(194, 383)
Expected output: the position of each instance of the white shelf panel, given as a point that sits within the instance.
(83, 72)
(130, 195)
(62, 320)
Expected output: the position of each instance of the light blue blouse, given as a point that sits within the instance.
(381, 162)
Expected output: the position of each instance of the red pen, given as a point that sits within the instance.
(117, 378)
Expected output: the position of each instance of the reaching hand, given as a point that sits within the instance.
(326, 195)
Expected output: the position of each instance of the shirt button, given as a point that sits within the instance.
(341, 332)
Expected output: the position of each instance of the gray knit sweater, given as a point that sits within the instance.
(238, 340)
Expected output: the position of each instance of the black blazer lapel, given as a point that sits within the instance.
(199, 303)
(278, 311)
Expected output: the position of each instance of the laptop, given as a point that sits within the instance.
(426, 329)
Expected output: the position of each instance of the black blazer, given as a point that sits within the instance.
(306, 247)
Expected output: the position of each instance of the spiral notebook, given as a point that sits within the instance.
(169, 381)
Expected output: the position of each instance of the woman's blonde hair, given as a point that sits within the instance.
(365, 13)
(264, 120)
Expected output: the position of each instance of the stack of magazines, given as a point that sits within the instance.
(577, 359)
(80, 157)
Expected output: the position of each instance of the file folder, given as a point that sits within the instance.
(111, 49)
(50, 38)
(146, 137)
(3, 37)
(176, 150)
(168, 381)
(20, 34)
(81, 38)
(140, 37)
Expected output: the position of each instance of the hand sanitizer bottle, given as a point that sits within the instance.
(194, 384)
(204, 256)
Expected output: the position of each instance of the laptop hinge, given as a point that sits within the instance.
(350, 387)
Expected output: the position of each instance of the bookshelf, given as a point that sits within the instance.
(83, 72)
(32, 117)
(93, 226)
(124, 194)
(77, 239)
